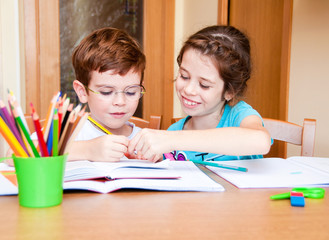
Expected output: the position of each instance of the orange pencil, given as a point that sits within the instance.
(80, 114)
(50, 113)
(11, 140)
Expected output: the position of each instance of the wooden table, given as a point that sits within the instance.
(233, 214)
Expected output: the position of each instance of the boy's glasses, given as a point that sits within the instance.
(131, 93)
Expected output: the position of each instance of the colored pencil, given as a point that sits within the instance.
(67, 133)
(26, 133)
(79, 116)
(42, 143)
(66, 104)
(12, 125)
(11, 140)
(21, 114)
(48, 121)
(77, 109)
(60, 116)
(66, 117)
(75, 132)
(55, 134)
(215, 164)
(49, 142)
(98, 125)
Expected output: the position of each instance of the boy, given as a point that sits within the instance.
(109, 67)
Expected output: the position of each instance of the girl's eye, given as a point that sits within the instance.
(183, 77)
(204, 86)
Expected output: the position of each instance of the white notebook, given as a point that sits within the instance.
(167, 176)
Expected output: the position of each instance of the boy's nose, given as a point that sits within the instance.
(119, 98)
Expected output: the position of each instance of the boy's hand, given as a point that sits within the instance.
(108, 148)
(150, 144)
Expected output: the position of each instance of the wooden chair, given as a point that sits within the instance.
(303, 136)
(154, 123)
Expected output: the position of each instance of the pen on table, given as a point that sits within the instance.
(98, 125)
(215, 164)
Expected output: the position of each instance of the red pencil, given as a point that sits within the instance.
(60, 116)
(42, 144)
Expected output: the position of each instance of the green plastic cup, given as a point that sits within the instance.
(40, 180)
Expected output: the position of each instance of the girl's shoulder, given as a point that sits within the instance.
(179, 125)
(241, 110)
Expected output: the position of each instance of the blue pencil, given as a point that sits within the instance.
(215, 164)
(50, 139)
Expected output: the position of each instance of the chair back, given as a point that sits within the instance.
(30, 124)
(154, 123)
(303, 136)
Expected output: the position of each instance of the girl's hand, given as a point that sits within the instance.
(150, 144)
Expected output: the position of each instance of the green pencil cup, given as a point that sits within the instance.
(40, 180)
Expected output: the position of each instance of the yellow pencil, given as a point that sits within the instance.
(98, 125)
(11, 140)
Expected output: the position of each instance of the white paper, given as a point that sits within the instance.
(277, 172)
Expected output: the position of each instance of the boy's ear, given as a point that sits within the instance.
(80, 91)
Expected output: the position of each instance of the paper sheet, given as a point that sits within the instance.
(277, 172)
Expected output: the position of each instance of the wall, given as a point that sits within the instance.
(10, 65)
(190, 16)
(309, 75)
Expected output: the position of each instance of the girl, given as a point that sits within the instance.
(214, 66)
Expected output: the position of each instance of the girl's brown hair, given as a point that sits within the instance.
(229, 50)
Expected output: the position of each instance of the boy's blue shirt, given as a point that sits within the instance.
(232, 117)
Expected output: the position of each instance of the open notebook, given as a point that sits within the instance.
(163, 176)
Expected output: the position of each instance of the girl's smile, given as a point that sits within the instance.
(189, 103)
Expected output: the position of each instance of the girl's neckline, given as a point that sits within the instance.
(221, 120)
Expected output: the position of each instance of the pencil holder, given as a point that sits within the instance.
(40, 180)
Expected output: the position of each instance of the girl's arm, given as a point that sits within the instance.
(251, 138)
